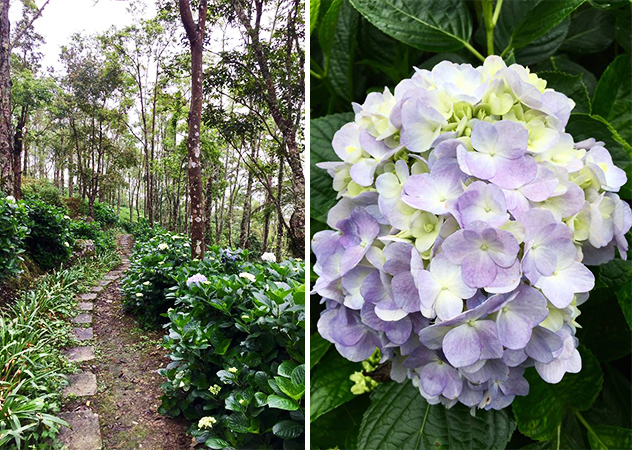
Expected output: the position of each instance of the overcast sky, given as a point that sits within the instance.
(62, 18)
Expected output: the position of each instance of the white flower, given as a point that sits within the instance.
(138, 294)
(163, 246)
(215, 389)
(245, 317)
(242, 401)
(233, 370)
(207, 422)
(196, 279)
(10, 198)
(248, 276)
(146, 283)
(161, 262)
(269, 257)
(66, 244)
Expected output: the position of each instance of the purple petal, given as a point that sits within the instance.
(462, 346)
(514, 173)
(405, 292)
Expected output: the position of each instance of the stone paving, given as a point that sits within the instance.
(84, 432)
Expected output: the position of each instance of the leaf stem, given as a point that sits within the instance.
(589, 428)
(499, 5)
(474, 51)
(489, 25)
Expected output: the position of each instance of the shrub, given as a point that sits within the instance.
(92, 230)
(50, 240)
(150, 275)
(141, 229)
(12, 235)
(103, 213)
(33, 189)
(237, 345)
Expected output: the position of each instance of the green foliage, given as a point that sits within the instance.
(50, 239)
(33, 333)
(12, 235)
(237, 350)
(93, 231)
(103, 213)
(42, 190)
(151, 274)
(582, 49)
(399, 417)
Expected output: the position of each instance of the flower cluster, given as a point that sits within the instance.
(196, 279)
(466, 214)
(207, 422)
(268, 257)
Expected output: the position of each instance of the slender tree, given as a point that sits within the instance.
(6, 130)
(195, 34)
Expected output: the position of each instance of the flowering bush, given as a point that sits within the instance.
(94, 232)
(12, 234)
(237, 344)
(466, 220)
(50, 239)
(151, 273)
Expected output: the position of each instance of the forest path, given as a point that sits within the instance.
(127, 386)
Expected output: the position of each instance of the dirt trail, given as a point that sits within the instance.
(128, 393)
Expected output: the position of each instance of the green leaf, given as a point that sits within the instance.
(570, 436)
(432, 25)
(216, 443)
(544, 46)
(327, 28)
(276, 401)
(400, 418)
(314, 7)
(330, 385)
(288, 429)
(340, 426)
(616, 275)
(604, 329)
(239, 423)
(285, 368)
(539, 413)
(623, 29)
(298, 376)
(583, 126)
(613, 406)
(604, 437)
(570, 85)
(543, 17)
(322, 130)
(340, 73)
(318, 348)
(562, 63)
(289, 388)
(613, 96)
(591, 31)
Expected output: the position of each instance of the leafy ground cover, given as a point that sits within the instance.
(235, 337)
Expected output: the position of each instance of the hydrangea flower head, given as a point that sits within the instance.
(466, 217)
(268, 257)
(196, 279)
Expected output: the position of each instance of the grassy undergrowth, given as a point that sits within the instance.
(33, 332)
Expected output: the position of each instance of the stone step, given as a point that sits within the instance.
(96, 288)
(104, 282)
(80, 354)
(111, 277)
(82, 384)
(88, 296)
(83, 334)
(82, 318)
(84, 432)
(86, 306)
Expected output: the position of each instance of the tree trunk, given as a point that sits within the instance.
(18, 144)
(6, 134)
(279, 243)
(195, 34)
(245, 217)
